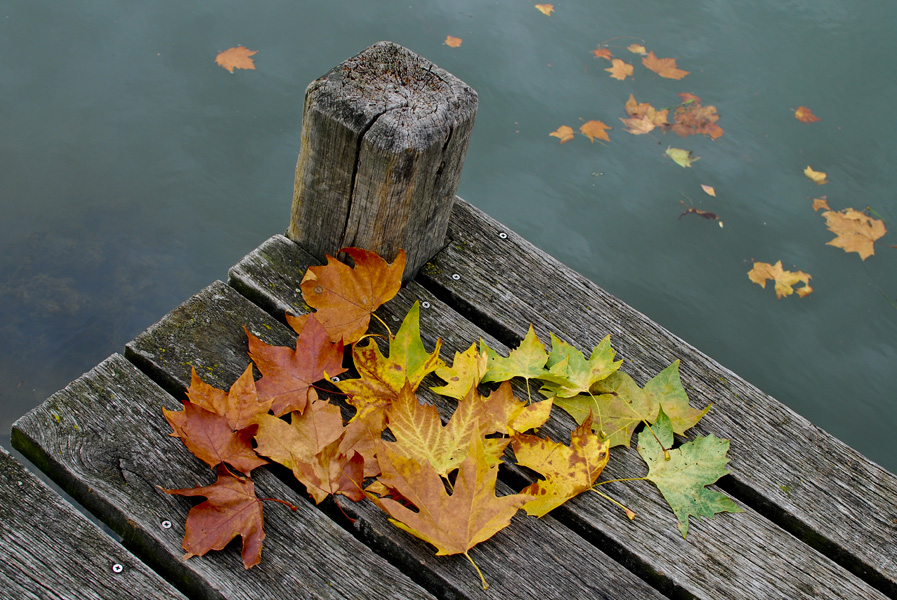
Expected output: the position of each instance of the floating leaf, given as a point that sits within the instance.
(785, 280)
(681, 157)
(817, 177)
(805, 114)
(708, 190)
(665, 67)
(545, 9)
(636, 49)
(602, 53)
(564, 133)
(452, 42)
(643, 117)
(236, 58)
(595, 129)
(819, 203)
(856, 231)
(620, 70)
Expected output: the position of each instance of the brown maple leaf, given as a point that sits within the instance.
(856, 231)
(620, 70)
(643, 117)
(785, 280)
(345, 297)
(236, 58)
(240, 406)
(563, 133)
(691, 118)
(665, 67)
(287, 374)
(211, 438)
(819, 203)
(805, 114)
(602, 53)
(595, 129)
(231, 509)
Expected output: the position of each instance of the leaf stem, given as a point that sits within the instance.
(382, 322)
(629, 513)
(292, 508)
(483, 583)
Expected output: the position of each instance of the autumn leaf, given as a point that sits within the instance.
(805, 114)
(545, 9)
(452, 42)
(682, 474)
(665, 67)
(819, 203)
(856, 231)
(454, 523)
(501, 412)
(692, 118)
(602, 53)
(231, 508)
(817, 177)
(785, 280)
(567, 470)
(568, 372)
(595, 129)
(704, 214)
(620, 70)
(527, 360)
(643, 117)
(681, 157)
(345, 297)
(287, 374)
(240, 406)
(210, 437)
(236, 58)
(563, 133)
(467, 370)
(636, 49)
(708, 190)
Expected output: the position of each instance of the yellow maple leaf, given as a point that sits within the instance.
(785, 280)
(665, 67)
(620, 70)
(636, 49)
(452, 41)
(817, 177)
(545, 9)
(236, 58)
(805, 114)
(564, 133)
(856, 231)
(595, 129)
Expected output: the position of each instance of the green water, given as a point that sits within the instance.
(134, 171)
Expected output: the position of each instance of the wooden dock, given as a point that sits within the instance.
(819, 520)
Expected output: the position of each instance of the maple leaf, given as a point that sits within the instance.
(545, 9)
(644, 117)
(382, 379)
(231, 508)
(210, 437)
(568, 470)
(602, 53)
(362, 434)
(454, 523)
(805, 114)
(287, 374)
(594, 129)
(681, 474)
(817, 177)
(856, 231)
(563, 133)
(681, 157)
(452, 42)
(785, 280)
(665, 67)
(692, 118)
(502, 412)
(240, 406)
(620, 70)
(636, 48)
(569, 373)
(345, 297)
(527, 360)
(236, 58)
(467, 370)
(820, 203)
(309, 445)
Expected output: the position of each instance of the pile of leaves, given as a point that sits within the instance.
(435, 481)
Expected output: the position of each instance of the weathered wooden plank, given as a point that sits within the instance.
(531, 558)
(790, 470)
(384, 136)
(104, 439)
(50, 550)
(729, 557)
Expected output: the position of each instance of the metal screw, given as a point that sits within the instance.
(117, 568)
(425, 304)
(166, 524)
(334, 379)
(456, 277)
(503, 235)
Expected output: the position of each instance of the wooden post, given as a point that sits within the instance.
(384, 136)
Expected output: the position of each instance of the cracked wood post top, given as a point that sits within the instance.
(384, 136)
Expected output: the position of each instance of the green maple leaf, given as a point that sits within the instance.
(569, 373)
(682, 477)
(527, 360)
(666, 390)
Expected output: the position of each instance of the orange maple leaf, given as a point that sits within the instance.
(691, 118)
(564, 133)
(636, 48)
(821, 203)
(856, 231)
(231, 508)
(545, 9)
(452, 42)
(595, 129)
(620, 70)
(785, 280)
(240, 406)
(602, 53)
(345, 297)
(805, 114)
(236, 58)
(643, 117)
(665, 67)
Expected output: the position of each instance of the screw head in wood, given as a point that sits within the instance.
(503, 235)
(425, 304)
(456, 277)
(117, 568)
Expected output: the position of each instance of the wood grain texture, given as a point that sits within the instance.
(798, 475)
(50, 550)
(733, 556)
(384, 136)
(104, 439)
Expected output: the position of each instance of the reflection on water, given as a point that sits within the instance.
(134, 171)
